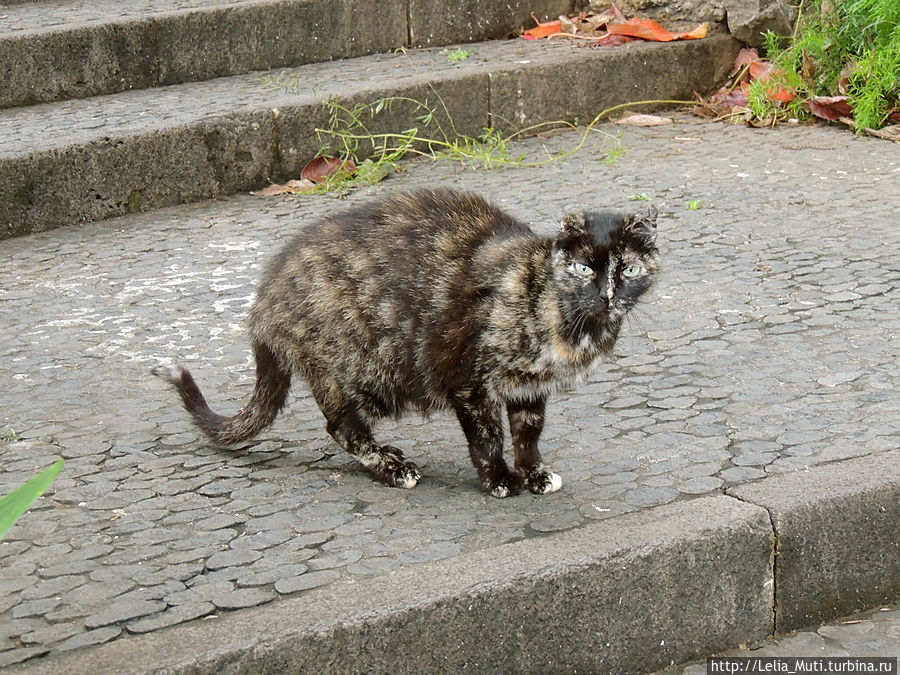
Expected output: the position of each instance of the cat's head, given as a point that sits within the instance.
(603, 261)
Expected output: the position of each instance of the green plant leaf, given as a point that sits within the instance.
(17, 502)
(458, 55)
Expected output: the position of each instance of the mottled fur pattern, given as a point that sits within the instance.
(438, 300)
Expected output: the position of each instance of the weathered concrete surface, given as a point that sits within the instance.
(66, 163)
(838, 538)
(768, 347)
(437, 22)
(598, 599)
(52, 50)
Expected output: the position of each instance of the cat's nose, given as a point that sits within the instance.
(601, 303)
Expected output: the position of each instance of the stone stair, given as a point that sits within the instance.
(109, 108)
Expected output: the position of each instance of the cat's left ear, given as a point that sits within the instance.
(643, 223)
(573, 224)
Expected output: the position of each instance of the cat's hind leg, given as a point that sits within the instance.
(526, 421)
(385, 462)
(481, 421)
(351, 431)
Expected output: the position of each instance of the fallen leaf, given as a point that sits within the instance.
(765, 70)
(609, 41)
(744, 58)
(727, 102)
(542, 30)
(736, 98)
(291, 187)
(639, 120)
(648, 29)
(762, 70)
(830, 107)
(323, 168)
(891, 133)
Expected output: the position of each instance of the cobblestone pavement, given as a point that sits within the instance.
(769, 345)
(873, 633)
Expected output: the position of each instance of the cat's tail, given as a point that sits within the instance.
(269, 395)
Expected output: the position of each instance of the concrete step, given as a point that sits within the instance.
(59, 49)
(80, 160)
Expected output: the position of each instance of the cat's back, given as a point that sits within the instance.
(403, 242)
(408, 224)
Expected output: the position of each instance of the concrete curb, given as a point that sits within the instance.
(598, 599)
(67, 163)
(109, 47)
(837, 530)
(630, 594)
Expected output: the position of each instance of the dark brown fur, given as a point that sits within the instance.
(431, 300)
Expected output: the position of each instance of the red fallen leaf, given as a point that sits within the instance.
(745, 57)
(323, 168)
(639, 120)
(726, 102)
(648, 29)
(830, 107)
(780, 94)
(742, 64)
(736, 98)
(762, 70)
(542, 30)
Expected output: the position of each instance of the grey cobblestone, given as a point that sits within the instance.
(306, 581)
(91, 637)
(703, 391)
(123, 610)
(242, 597)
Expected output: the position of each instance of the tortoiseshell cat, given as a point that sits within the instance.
(437, 299)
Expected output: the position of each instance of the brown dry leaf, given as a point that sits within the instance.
(639, 120)
(292, 187)
(830, 107)
(323, 168)
(891, 133)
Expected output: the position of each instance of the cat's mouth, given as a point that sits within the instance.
(597, 328)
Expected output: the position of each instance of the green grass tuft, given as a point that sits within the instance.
(849, 45)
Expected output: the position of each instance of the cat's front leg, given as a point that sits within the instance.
(526, 421)
(481, 419)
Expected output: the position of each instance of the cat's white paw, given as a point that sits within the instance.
(500, 491)
(555, 482)
(408, 479)
(542, 481)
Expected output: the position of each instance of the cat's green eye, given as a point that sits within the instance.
(632, 271)
(581, 269)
